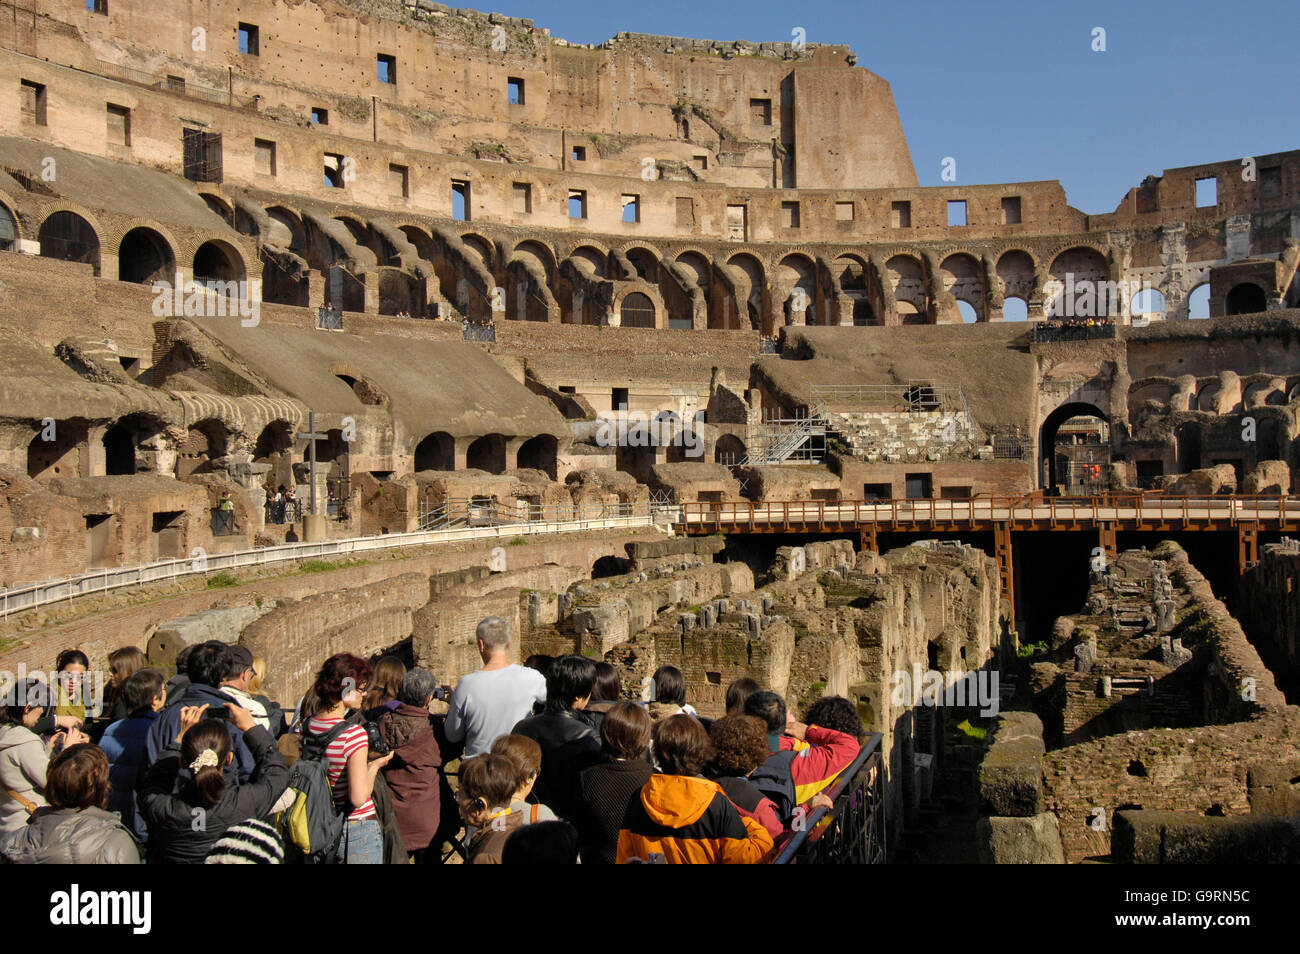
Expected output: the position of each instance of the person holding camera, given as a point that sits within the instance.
(24, 758)
(414, 774)
(187, 799)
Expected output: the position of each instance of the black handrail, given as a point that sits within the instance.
(854, 832)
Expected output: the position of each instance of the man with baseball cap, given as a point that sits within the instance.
(239, 670)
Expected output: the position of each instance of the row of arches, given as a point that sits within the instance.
(143, 255)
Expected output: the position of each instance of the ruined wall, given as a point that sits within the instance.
(1202, 769)
(1270, 606)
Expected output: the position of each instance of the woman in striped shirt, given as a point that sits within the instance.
(340, 686)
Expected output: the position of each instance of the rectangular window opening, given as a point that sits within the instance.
(33, 102)
(386, 66)
(789, 215)
(956, 213)
(515, 91)
(1207, 192)
(760, 112)
(631, 208)
(399, 181)
(119, 125)
(844, 211)
(577, 204)
(249, 39)
(1011, 210)
(901, 215)
(319, 116)
(264, 157)
(618, 397)
(523, 194)
(460, 205)
(334, 165)
(578, 154)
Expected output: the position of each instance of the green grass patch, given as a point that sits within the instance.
(221, 580)
(972, 731)
(324, 566)
(517, 542)
(1029, 650)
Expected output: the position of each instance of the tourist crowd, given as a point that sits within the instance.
(555, 764)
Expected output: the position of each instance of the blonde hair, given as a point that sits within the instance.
(259, 673)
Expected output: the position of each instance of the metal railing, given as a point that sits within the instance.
(186, 86)
(22, 598)
(1127, 511)
(472, 331)
(852, 831)
(913, 396)
(768, 346)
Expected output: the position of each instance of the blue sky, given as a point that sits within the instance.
(1013, 90)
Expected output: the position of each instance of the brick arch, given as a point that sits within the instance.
(642, 288)
(7, 201)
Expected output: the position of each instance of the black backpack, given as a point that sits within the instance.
(312, 825)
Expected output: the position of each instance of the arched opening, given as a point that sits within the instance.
(907, 284)
(145, 257)
(1082, 290)
(437, 451)
(963, 278)
(220, 207)
(119, 451)
(1187, 446)
(1015, 309)
(219, 266)
(1148, 303)
(538, 453)
(205, 442)
(1245, 299)
(1198, 302)
(646, 264)
(1016, 270)
(750, 292)
(275, 447)
(798, 276)
(1074, 449)
(608, 566)
(637, 311)
(69, 237)
(487, 453)
(8, 229)
(729, 450)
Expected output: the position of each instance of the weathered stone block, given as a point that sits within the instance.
(1035, 840)
(1010, 779)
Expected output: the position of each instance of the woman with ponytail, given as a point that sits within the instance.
(185, 820)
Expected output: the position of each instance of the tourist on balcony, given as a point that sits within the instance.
(568, 744)
(189, 784)
(124, 743)
(526, 756)
(340, 686)
(681, 818)
(24, 756)
(610, 786)
(74, 828)
(740, 746)
(607, 691)
(414, 776)
(488, 702)
(669, 695)
(794, 773)
(487, 783)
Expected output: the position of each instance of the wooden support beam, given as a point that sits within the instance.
(1006, 566)
(1247, 546)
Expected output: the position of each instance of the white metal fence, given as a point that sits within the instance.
(31, 596)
